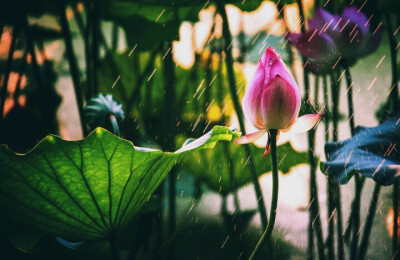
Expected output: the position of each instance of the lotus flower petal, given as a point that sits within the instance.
(304, 123)
(249, 138)
(321, 20)
(272, 100)
(315, 46)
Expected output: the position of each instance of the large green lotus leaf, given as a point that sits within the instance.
(86, 189)
(148, 24)
(247, 5)
(154, 11)
(216, 168)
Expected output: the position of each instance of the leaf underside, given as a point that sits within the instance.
(85, 189)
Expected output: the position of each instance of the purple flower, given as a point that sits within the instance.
(331, 38)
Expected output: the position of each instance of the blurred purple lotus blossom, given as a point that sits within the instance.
(331, 39)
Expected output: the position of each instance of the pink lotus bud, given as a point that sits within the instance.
(272, 100)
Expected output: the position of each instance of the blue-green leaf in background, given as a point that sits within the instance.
(373, 152)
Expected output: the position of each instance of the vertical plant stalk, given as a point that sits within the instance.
(350, 104)
(368, 223)
(21, 72)
(330, 187)
(7, 71)
(238, 109)
(32, 52)
(314, 216)
(95, 44)
(73, 66)
(232, 178)
(327, 115)
(140, 80)
(170, 124)
(114, 37)
(355, 211)
(314, 201)
(395, 107)
(113, 247)
(87, 41)
(266, 236)
(394, 94)
(334, 194)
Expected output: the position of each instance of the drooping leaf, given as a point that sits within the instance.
(216, 168)
(149, 23)
(247, 6)
(372, 152)
(87, 189)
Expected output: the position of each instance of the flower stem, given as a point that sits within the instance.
(266, 236)
(314, 202)
(350, 104)
(393, 58)
(170, 125)
(326, 109)
(395, 101)
(113, 247)
(331, 188)
(73, 66)
(235, 100)
(368, 224)
(358, 180)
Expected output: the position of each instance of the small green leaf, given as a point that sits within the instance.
(217, 167)
(87, 189)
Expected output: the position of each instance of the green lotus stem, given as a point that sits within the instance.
(8, 70)
(266, 236)
(337, 202)
(87, 39)
(395, 100)
(350, 105)
(330, 187)
(314, 207)
(238, 109)
(339, 226)
(316, 91)
(113, 247)
(326, 109)
(32, 52)
(393, 59)
(21, 73)
(73, 66)
(368, 223)
(95, 44)
(114, 38)
(355, 211)
(140, 80)
(170, 124)
(334, 196)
